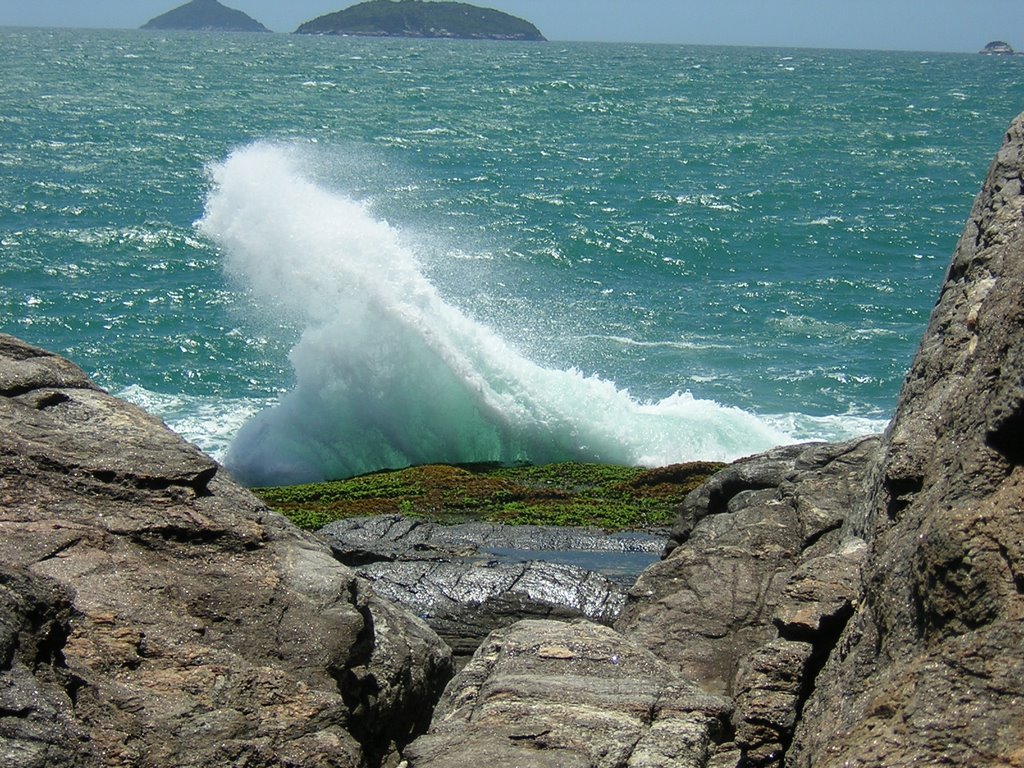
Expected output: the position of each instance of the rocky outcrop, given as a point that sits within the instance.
(724, 636)
(758, 581)
(463, 602)
(929, 670)
(863, 604)
(152, 612)
(542, 694)
(764, 528)
(997, 48)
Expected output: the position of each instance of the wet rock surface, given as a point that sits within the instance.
(394, 537)
(463, 603)
(469, 579)
(153, 612)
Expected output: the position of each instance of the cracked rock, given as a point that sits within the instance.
(546, 693)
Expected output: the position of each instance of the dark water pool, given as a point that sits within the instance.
(614, 564)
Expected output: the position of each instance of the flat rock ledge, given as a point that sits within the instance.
(555, 694)
(360, 540)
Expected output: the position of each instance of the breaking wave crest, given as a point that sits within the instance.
(390, 374)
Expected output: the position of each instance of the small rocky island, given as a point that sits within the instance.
(205, 15)
(415, 18)
(997, 48)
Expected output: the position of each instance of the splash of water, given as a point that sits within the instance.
(389, 374)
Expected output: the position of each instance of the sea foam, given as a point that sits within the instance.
(388, 373)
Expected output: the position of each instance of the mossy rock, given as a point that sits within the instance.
(605, 496)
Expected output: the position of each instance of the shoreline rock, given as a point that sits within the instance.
(359, 540)
(154, 611)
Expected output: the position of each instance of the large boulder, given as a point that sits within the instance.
(930, 669)
(745, 546)
(152, 612)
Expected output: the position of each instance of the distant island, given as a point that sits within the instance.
(200, 15)
(415, 18)
(997, 48)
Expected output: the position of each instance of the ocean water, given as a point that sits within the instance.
(316, 257)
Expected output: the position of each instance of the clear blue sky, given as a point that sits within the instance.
(921, 25)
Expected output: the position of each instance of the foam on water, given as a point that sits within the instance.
(390, 374)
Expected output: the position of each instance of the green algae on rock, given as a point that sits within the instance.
(571, 493)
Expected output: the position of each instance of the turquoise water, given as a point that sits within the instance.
(375, 252)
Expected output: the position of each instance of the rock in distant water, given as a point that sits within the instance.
(413, 18)
(154, 613)
(206, 15)
(997, 47)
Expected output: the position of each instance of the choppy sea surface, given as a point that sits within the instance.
(316, 257)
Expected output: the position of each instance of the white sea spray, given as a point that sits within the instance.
(389, 374)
